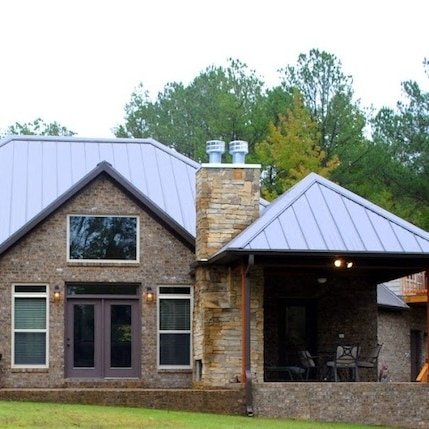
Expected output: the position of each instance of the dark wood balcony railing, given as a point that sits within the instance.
(414, 288)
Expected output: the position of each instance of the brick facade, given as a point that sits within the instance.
(40, 257)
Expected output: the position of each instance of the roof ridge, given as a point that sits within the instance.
(109, 140)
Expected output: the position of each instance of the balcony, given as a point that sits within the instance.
(414, 288)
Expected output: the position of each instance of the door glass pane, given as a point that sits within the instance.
(83, 338)
(120, 337)
(295, 327)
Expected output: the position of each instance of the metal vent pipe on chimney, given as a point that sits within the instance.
(215, 149)
(238, 149)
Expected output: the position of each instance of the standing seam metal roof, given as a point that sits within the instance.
(316, 215)
(36, 171)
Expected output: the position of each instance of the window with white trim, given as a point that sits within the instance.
(174, 326)
(30, 326)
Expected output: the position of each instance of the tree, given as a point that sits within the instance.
(403, 136)
(39, 127)
(220, 103)
(328, 94)
(291, 150)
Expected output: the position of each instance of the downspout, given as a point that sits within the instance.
(427, 323)
(246, 359)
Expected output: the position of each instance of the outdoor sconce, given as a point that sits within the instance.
(57, 294)
(149, 295)
(341, 263)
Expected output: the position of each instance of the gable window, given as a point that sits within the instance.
(174, 326)
(103, 238)
(30, 326)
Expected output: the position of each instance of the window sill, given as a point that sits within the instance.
(103, 264)
(174, 370)
(29, 370)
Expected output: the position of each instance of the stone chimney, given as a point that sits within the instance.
(227, 201)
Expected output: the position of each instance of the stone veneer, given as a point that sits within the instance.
(40, 257)
(227, 202)
(227, 199)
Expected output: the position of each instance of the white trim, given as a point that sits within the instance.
(104, 261)
(160, 296)
(46, 330)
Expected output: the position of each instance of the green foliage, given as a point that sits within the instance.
(328, 94)
(39, 127)
(291, 151)
(220, 103)
(402, 136)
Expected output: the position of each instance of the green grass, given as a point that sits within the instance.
(45, 415)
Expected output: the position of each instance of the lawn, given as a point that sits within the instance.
(45, 415)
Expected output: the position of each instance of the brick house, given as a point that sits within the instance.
(123, 260)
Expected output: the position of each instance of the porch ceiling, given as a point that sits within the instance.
(378, 267)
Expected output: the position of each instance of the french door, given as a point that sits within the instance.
(102, 338)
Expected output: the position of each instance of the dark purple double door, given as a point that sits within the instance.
(102, 338)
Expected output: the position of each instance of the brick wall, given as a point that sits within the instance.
(41, 257)
(402, 405)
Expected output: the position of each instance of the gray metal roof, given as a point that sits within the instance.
(36, 171)
(388, 299)
(317, 215)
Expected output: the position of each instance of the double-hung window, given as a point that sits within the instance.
(174, 326)
(30, 326)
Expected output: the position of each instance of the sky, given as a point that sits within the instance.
(77, 62)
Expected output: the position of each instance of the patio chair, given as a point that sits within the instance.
(346, 358)
(308, 362)
(371, 360)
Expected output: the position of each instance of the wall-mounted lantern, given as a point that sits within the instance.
(149, 295)
(57, 294)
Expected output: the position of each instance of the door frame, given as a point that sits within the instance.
(102, 340)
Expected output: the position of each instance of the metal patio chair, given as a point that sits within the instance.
(308, 362)
(346, 358)
(371, 359)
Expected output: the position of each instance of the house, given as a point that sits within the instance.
(122, 259)
(402, 326)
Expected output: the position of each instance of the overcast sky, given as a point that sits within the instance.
(78, 61)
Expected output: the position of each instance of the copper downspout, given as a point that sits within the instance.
(427, 327)
(246, 373)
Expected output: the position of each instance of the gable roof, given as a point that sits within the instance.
(106, 169)
(38, 173)
(388, 299)
(318, 216)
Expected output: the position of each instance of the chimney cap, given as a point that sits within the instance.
(215, 150)
(238, 149)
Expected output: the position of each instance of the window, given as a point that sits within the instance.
(30, 326)
(103, 238)
(174, 327)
